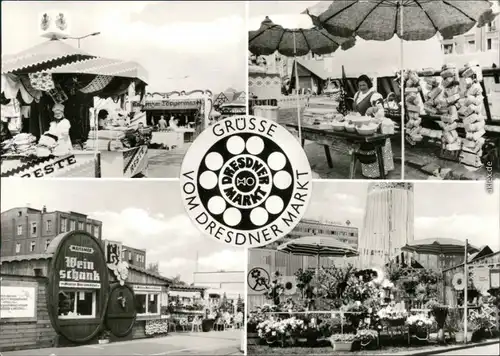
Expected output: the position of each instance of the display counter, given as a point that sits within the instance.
(174, 138)
(127, 163)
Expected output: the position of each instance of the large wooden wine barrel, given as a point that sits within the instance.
(78, 286)
(121, 312)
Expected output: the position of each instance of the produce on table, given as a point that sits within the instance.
(450, 101)
(413, 105)
(471, 111)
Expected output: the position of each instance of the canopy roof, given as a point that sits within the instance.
(42, 56)
(439, 245)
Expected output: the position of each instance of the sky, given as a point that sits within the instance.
(205, 41)
(149, 214)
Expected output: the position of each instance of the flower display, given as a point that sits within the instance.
(336, 338)
(419, 322)
(156, 327)
(366, 336)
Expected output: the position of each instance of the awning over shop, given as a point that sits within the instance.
(42, 56)
(104, 66)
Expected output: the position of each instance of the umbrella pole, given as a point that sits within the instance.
(466, 276)
(317, 280)
(297, 86)
(402, 84)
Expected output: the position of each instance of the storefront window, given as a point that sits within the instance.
(147, 303)
(77, 304)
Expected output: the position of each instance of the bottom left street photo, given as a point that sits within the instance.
(113, 268)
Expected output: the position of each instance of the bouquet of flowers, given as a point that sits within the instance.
(355, 313)
(419, 323)
(270, 329)
(393, 315)
(292, 326)
(366, 336)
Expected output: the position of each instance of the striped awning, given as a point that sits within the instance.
(439, 246)
(104, 66)
(46, 53)
(318, 246)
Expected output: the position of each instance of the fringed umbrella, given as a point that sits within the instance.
(293, 42)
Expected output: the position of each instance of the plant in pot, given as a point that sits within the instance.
(268, 331)
(366, 337)
(440, 313)
(342, 342)
(419, 325)
(460, 335)
(104, 336)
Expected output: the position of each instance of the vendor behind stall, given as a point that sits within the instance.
(102, 119)
(362, 98)
(60, 127)
(162, 123)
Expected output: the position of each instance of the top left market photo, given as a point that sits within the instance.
(115, 90)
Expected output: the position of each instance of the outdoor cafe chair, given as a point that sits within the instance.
(196, 324)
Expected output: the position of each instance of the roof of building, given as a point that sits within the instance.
(483, 251)
(20, 258)
(149, 273)
(186, 288)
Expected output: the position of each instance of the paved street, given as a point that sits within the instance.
(213, 343)
(480, 350)
(166, 163)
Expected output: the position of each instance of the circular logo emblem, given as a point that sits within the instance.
(258, 279)
(246, 181)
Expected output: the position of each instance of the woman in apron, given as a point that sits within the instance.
(60, 127)
(366, 152)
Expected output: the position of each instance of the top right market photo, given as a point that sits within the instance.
(387, 89)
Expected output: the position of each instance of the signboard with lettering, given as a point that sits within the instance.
(174, 104)
(147, 288)
(18, 301)
(78, 286)
(47, 166)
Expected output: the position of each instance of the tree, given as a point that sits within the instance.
(224, 305)
(240, 305)
(177, 281)
(153, 268)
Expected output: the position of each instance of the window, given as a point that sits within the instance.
(48, 225)
(64, 224)
(47, 243)
(72, 225)
(18, 247)
(33, 228)
(19, 230)
(138, 258)
(147, 303)
(448, 48)
(77, 304)
(470, 46)
(89, 228)
(491, 27)
(96, 231)
(19, 213)
(32, 246)
(81, 226)
(130, 256)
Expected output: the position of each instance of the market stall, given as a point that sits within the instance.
(235, 107)
(77, 292)
(186, 306)
(55, 85)
(176, 117)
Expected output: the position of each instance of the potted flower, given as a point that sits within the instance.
(366, 337)
(419, 326)
(268, 331)
(460, 335)
(393, 316)
(104, 336)
(342, 342)
(254, 320)
(440, 313)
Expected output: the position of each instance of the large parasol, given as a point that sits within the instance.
(293, 42)
(438, 246)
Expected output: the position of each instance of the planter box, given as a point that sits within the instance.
(253, 339)
(460, 336)
(207, 324)
(342, 346)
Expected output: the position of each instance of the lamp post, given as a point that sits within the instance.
(82, 37)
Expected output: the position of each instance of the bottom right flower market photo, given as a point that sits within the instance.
(379, 268)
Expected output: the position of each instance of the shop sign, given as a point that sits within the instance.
(49, 168)
(113, 251)
(136, 161)
(180, 104)
(78, 263)
(246, 181)
(139, 288)
(17, 302)
(259, 279)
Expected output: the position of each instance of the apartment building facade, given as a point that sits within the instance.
(26, 230)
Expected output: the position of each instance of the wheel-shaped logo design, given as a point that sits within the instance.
(246, 181)
(258, 279)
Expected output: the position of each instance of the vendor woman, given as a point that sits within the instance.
(364, 99)
(60, 126)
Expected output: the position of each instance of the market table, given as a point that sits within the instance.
(327, 138)
(127, 163)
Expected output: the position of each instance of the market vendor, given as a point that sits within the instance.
(366, 152)
(362, 98)
(102, 119)
(162, 123)
(60, 127)
(5, 133)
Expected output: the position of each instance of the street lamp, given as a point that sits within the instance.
(81, 37)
